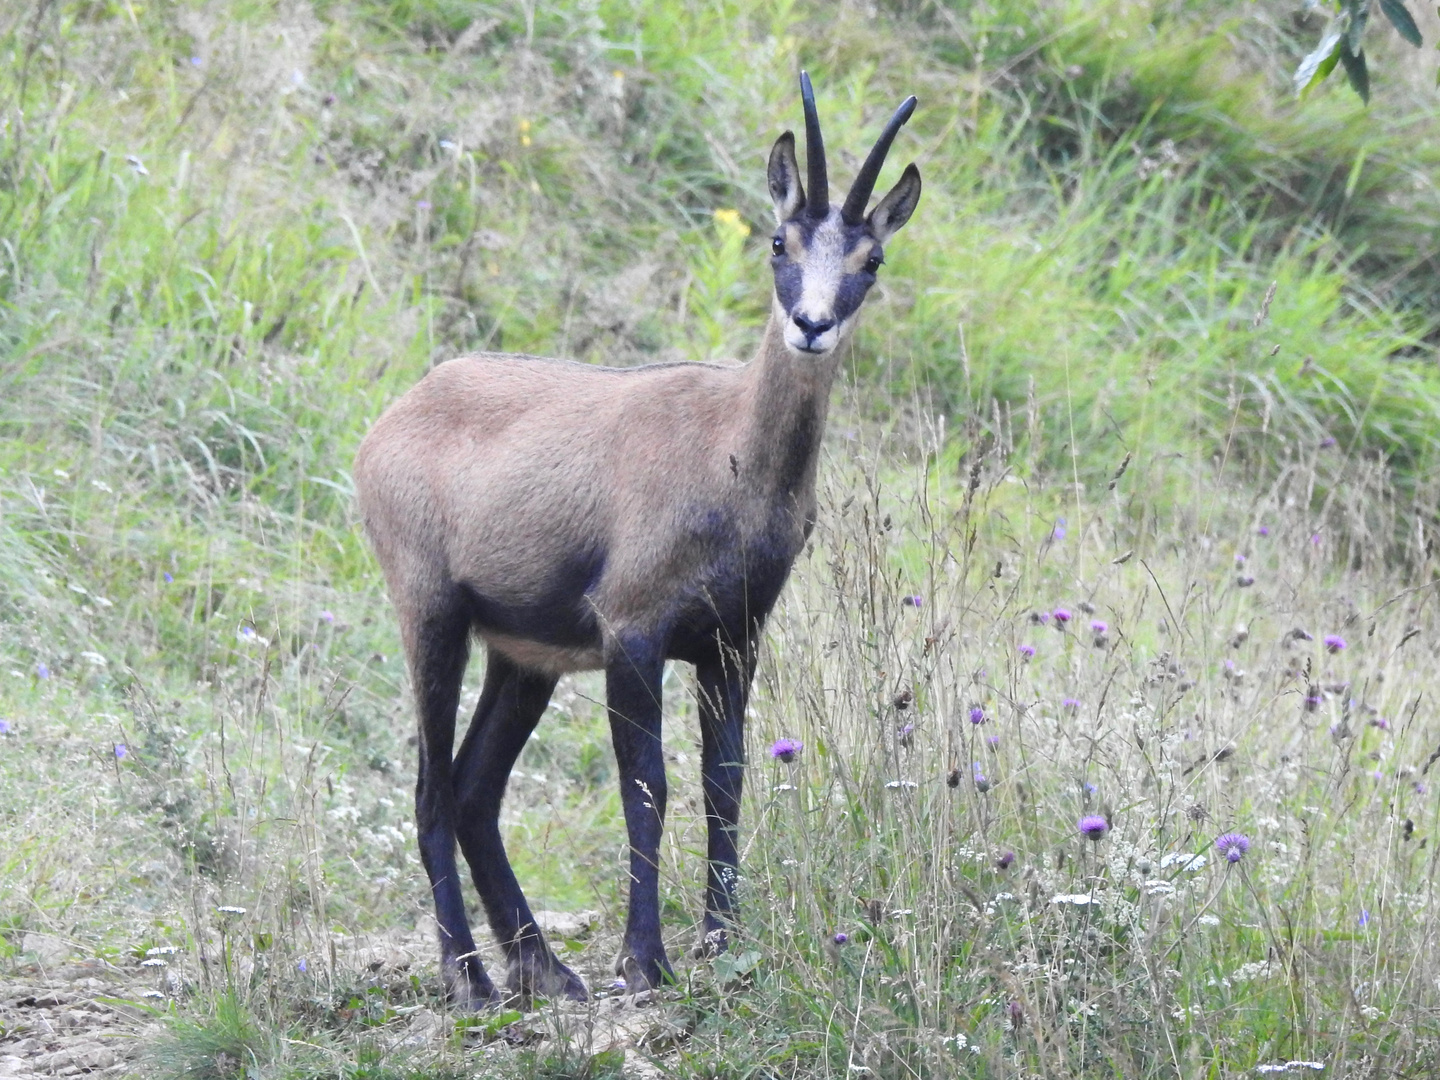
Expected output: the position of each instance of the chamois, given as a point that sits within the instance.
(576, 517)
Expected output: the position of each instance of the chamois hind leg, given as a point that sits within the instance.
(437, 642)
(511, 704)
(724, 687)
(632, 693)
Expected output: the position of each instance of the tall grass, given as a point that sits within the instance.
(230, 234)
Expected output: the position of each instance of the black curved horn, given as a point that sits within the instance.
(818, 200)
(854, 209)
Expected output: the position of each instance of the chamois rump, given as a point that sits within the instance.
(576, 517)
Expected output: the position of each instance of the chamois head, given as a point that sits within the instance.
(826, 257)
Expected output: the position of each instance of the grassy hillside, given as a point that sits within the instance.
(231, 233)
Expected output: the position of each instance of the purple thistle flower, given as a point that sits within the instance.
(1090, 789)
(912, 601)
(841, 938)
(1061, 615)
(120, 751)
(1094, 827)
(1027, 651)
(1420, 788)
(1381, 723)
(1233, 846)
(1315, 539)
(903, 734)
(1239, 560)
(1327, 442)
(1334, 643)
(786, 749)
(994, 741)
(1263, 530)
(1099, 626)
(1043, 618)
(977, 715)
(1069, 703)
(327, 617)
(1005, 861)
(1313, 702)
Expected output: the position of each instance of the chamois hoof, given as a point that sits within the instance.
(469, 989)
(544, 977)
(644, 973)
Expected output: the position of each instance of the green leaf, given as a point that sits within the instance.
(1399, 17)
(1321, 62)
(1355, 32)
(1359, 76)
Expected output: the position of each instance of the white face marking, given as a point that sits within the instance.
(823, 267)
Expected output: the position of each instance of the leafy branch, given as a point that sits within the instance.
(1343, 43)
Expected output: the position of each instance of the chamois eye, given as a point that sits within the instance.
(872, 264)
(777, 246)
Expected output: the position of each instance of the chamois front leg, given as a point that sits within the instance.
(632, 692)
(724, 687)
(438, 645)
(510, 706)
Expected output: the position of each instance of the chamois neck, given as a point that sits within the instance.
(789, 401)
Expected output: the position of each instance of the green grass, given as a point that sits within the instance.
(215, 274)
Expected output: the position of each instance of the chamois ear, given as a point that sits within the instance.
(895, 209)
(784, 176)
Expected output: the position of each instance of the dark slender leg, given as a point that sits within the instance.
(510, 706)
(632, 692)
(438, 648)
(724, 687)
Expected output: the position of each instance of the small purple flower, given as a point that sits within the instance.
(1043, 618)
(327, 617)
(246, 632)
(993, 741)
(1017, 1014)
(195, 61)
(1058, 532)
(977, 715)
(1027, 651)
(903, 735)
(169, 578)
(841, 938)
(1239, 560)
(1094, 827)
(1263, 530)
(1327, 442)
(1004, 862)
(1313, 702)
(981, 782)
(1364, 919)
(1233, 846)
(1420, 788)
(301, 966)
(1090, 789)
(42, 671)
(1315, 539)
(912, 601)
(617, 986)
(1070, 704)
(1377, 776)
(120, 751)
(1061, 615)
(5, 728)
(1334, 643)
(786, 749)
(423, 204)
(1099, 626)
(1381, 723)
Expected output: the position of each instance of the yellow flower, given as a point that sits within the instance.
(524, 132)
(730, 220)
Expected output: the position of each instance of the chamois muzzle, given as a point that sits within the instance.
(854, 209)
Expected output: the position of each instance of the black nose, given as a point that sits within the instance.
(812, 330)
